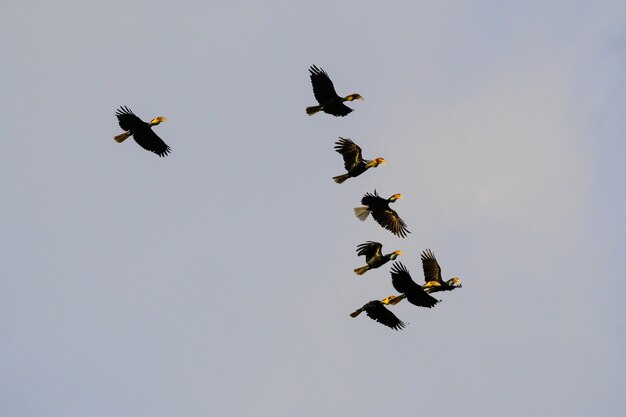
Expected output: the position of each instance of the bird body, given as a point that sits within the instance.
(377, 311)
(325, 94)
(382, 213)
(373, 256)
(413, 292)
(353, 160)
(141, 131)
(432, 275)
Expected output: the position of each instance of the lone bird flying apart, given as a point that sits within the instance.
(413, 292)
(353, 160)
(326, 95)
(385, 216)
(374, 256)
(377, 311)
(432, 275)
(141, 131)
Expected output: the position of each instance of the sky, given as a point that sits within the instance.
(219, 280)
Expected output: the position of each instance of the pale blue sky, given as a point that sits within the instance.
(218, 281)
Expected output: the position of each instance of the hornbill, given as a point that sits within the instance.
(374, 256)
(353, 160)
(413, 292)
(385, 216)
(377, 311)
(326, 95)
(432, 275)
(141, 131)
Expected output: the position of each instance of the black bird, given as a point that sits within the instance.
(432, 275)
(326, 95)
(377, 311)
(353, 160)
(141, 131)
(413, 292)
(374, 256)
(385, 216)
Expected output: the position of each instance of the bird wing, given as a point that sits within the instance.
(370, 250)
(403, 283)
(337, 108)
(378, 312)
(390, 220)
(350, 151)
(372, 200)
(323, 88)
(150, 141)
(432, 270)
(401, 279)
(128, 120)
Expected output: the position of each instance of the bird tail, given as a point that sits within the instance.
(356, 313)
(122, 137)
(362, 213)
(313, 109)
(362, 270)
(339, 179)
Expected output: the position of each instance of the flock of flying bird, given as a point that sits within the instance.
(331, 103)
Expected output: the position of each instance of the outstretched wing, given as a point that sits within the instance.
(128, 120)
(370, 250)
(401, 279)
(378, 312)
(323, 88)
(337, 108)
(403, 283)
(350, 151)
(150, 141)
(372, 200)
(390, 220)
(432, 270)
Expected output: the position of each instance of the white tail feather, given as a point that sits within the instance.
(341, 178)
(362, 270)
(362, 213)
(122, 137)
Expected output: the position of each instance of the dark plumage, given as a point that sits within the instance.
(414, 293)
(385, 216)
(374, 256)
(326, 95)
(353, 160)
(432, 275)
(141, 131)
(377, 311)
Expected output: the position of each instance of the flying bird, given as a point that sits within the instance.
(141, 131)
(326, 95)
(413, 292)
(377, 311)
(385, 216)
(374, 256)
(432, 275)
(353, 160)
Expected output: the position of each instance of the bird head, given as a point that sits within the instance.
(375, 162)
(395, 254)
(454, 282)
(431, 284)
(392, 299)
(395, 197)
(353, 97)
(157, 120)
